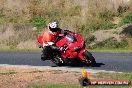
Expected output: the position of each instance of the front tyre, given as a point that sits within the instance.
(58, 61)
(89, 59)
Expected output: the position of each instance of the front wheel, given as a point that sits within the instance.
(89, 59)
(58, 61)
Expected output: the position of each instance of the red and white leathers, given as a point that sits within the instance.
(49, 37)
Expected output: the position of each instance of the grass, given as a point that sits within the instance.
(7, 73)
(77, 86)
(106, 75)
(71, 15)
(55, 86)
(127, 19)
(19, 50)
(118, 50)
(127, 76)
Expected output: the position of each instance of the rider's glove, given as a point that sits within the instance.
(47, 44)
(66, 32)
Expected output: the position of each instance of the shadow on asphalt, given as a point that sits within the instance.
(99, 64)
(81, 65)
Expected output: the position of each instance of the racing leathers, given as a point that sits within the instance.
(49, 40)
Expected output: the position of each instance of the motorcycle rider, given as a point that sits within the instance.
(52, 33)
(50, 37)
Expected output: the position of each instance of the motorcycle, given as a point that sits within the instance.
(67, 49)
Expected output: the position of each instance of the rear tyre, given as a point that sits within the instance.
(89, 59)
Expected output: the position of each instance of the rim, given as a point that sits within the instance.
(87, 60)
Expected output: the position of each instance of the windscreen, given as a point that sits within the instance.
(70, 38)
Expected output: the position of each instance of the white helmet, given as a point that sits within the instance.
(53, 24)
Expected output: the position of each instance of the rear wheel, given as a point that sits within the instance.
(89, 59)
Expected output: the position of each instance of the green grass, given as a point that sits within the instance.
(77, 86)
(19, 50)
(7, 73)
(119, 50)
(70, 15)
(38, 22)
(127, 19)
(102, 75)
(55, 86)
(106, 75)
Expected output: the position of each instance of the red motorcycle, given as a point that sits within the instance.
(66, 50)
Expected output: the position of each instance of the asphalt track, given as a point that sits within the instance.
(120, 62)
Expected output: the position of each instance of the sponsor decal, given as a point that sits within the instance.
(85, 80)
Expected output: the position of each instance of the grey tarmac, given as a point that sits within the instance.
(117, 62)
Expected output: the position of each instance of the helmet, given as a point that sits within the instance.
(53, 26)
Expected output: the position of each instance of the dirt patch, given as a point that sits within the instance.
(102, 35)
(116, 20)
(21, 78)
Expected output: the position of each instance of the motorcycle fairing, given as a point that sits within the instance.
(80, 55)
